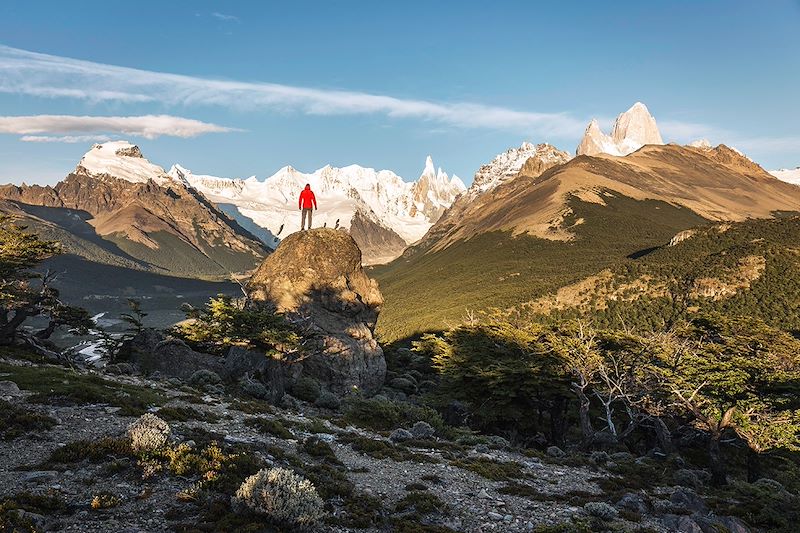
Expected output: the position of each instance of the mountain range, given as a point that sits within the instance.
(535, 227)
(535, 219)
(383, 212)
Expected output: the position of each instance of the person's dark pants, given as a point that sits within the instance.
(304, 214)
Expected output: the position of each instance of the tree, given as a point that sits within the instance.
(738, 375)
(25, 294)
(224, 322)
(509, 375)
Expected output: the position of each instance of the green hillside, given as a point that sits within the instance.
(429, 291)
(712, 256)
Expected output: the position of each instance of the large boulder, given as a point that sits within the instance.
(152, 351)
(315, 277)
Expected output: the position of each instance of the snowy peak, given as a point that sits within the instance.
(429, 170)
(381, 196)
(633, 129)
(120, 160)
(507, 165)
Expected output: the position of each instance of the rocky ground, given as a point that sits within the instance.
(416, 479)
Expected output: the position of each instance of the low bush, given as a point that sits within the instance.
(282, 496)
(148, 433)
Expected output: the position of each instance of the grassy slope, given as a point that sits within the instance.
(429, 291)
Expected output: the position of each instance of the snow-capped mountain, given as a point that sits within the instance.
(118, 208)
(507, 165)
(633, 129)
(787, 175)
(381, 196)
(121, 160)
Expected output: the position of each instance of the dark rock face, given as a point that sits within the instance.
(150, 351)
(316, 278)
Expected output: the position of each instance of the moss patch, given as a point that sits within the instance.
(494, 470)
(16, 421)
(270, 427)
(58, 386)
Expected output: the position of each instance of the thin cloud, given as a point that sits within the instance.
(71, 139)
(31, 73)
(147, 126)
(226, 18)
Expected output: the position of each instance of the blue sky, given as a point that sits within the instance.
(248, 87)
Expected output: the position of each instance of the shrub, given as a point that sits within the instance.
(306, 388)
(204, 377)
(384, 414)
(601, 510)
(226, 322)
(283, 496)
(328, 400)
(270, 427)
(148, 433)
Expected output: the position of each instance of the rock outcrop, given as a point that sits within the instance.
(633, 129)
(315, 277)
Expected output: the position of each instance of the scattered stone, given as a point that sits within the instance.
(633, 502)
(41, 476)
(423, 430)
(9, 388)
(681, 524)
(555, 451)
(495, 516)
(121, 369)
(482, 494)
(687, 500)
(400, 435)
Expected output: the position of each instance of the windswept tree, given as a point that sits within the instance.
(736, 375)
(25, 294)
(510, 377)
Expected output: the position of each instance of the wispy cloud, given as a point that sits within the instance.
(147, 126)
(72, 139)
(226, 18)
(31, 73)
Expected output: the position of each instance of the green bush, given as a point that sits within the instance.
(385, 415)
(227, 322)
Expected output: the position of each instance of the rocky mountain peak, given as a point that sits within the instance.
(633, 129)
(507, 165)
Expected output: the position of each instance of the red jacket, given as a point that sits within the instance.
(307, 199)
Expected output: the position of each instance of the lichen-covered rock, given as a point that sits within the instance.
(281, 495)
(148, 433)
(315, 277)
(400, 435)
(422, 430)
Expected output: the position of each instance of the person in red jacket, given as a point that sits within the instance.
(304, 203)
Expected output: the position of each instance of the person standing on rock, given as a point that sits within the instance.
(305, 203)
